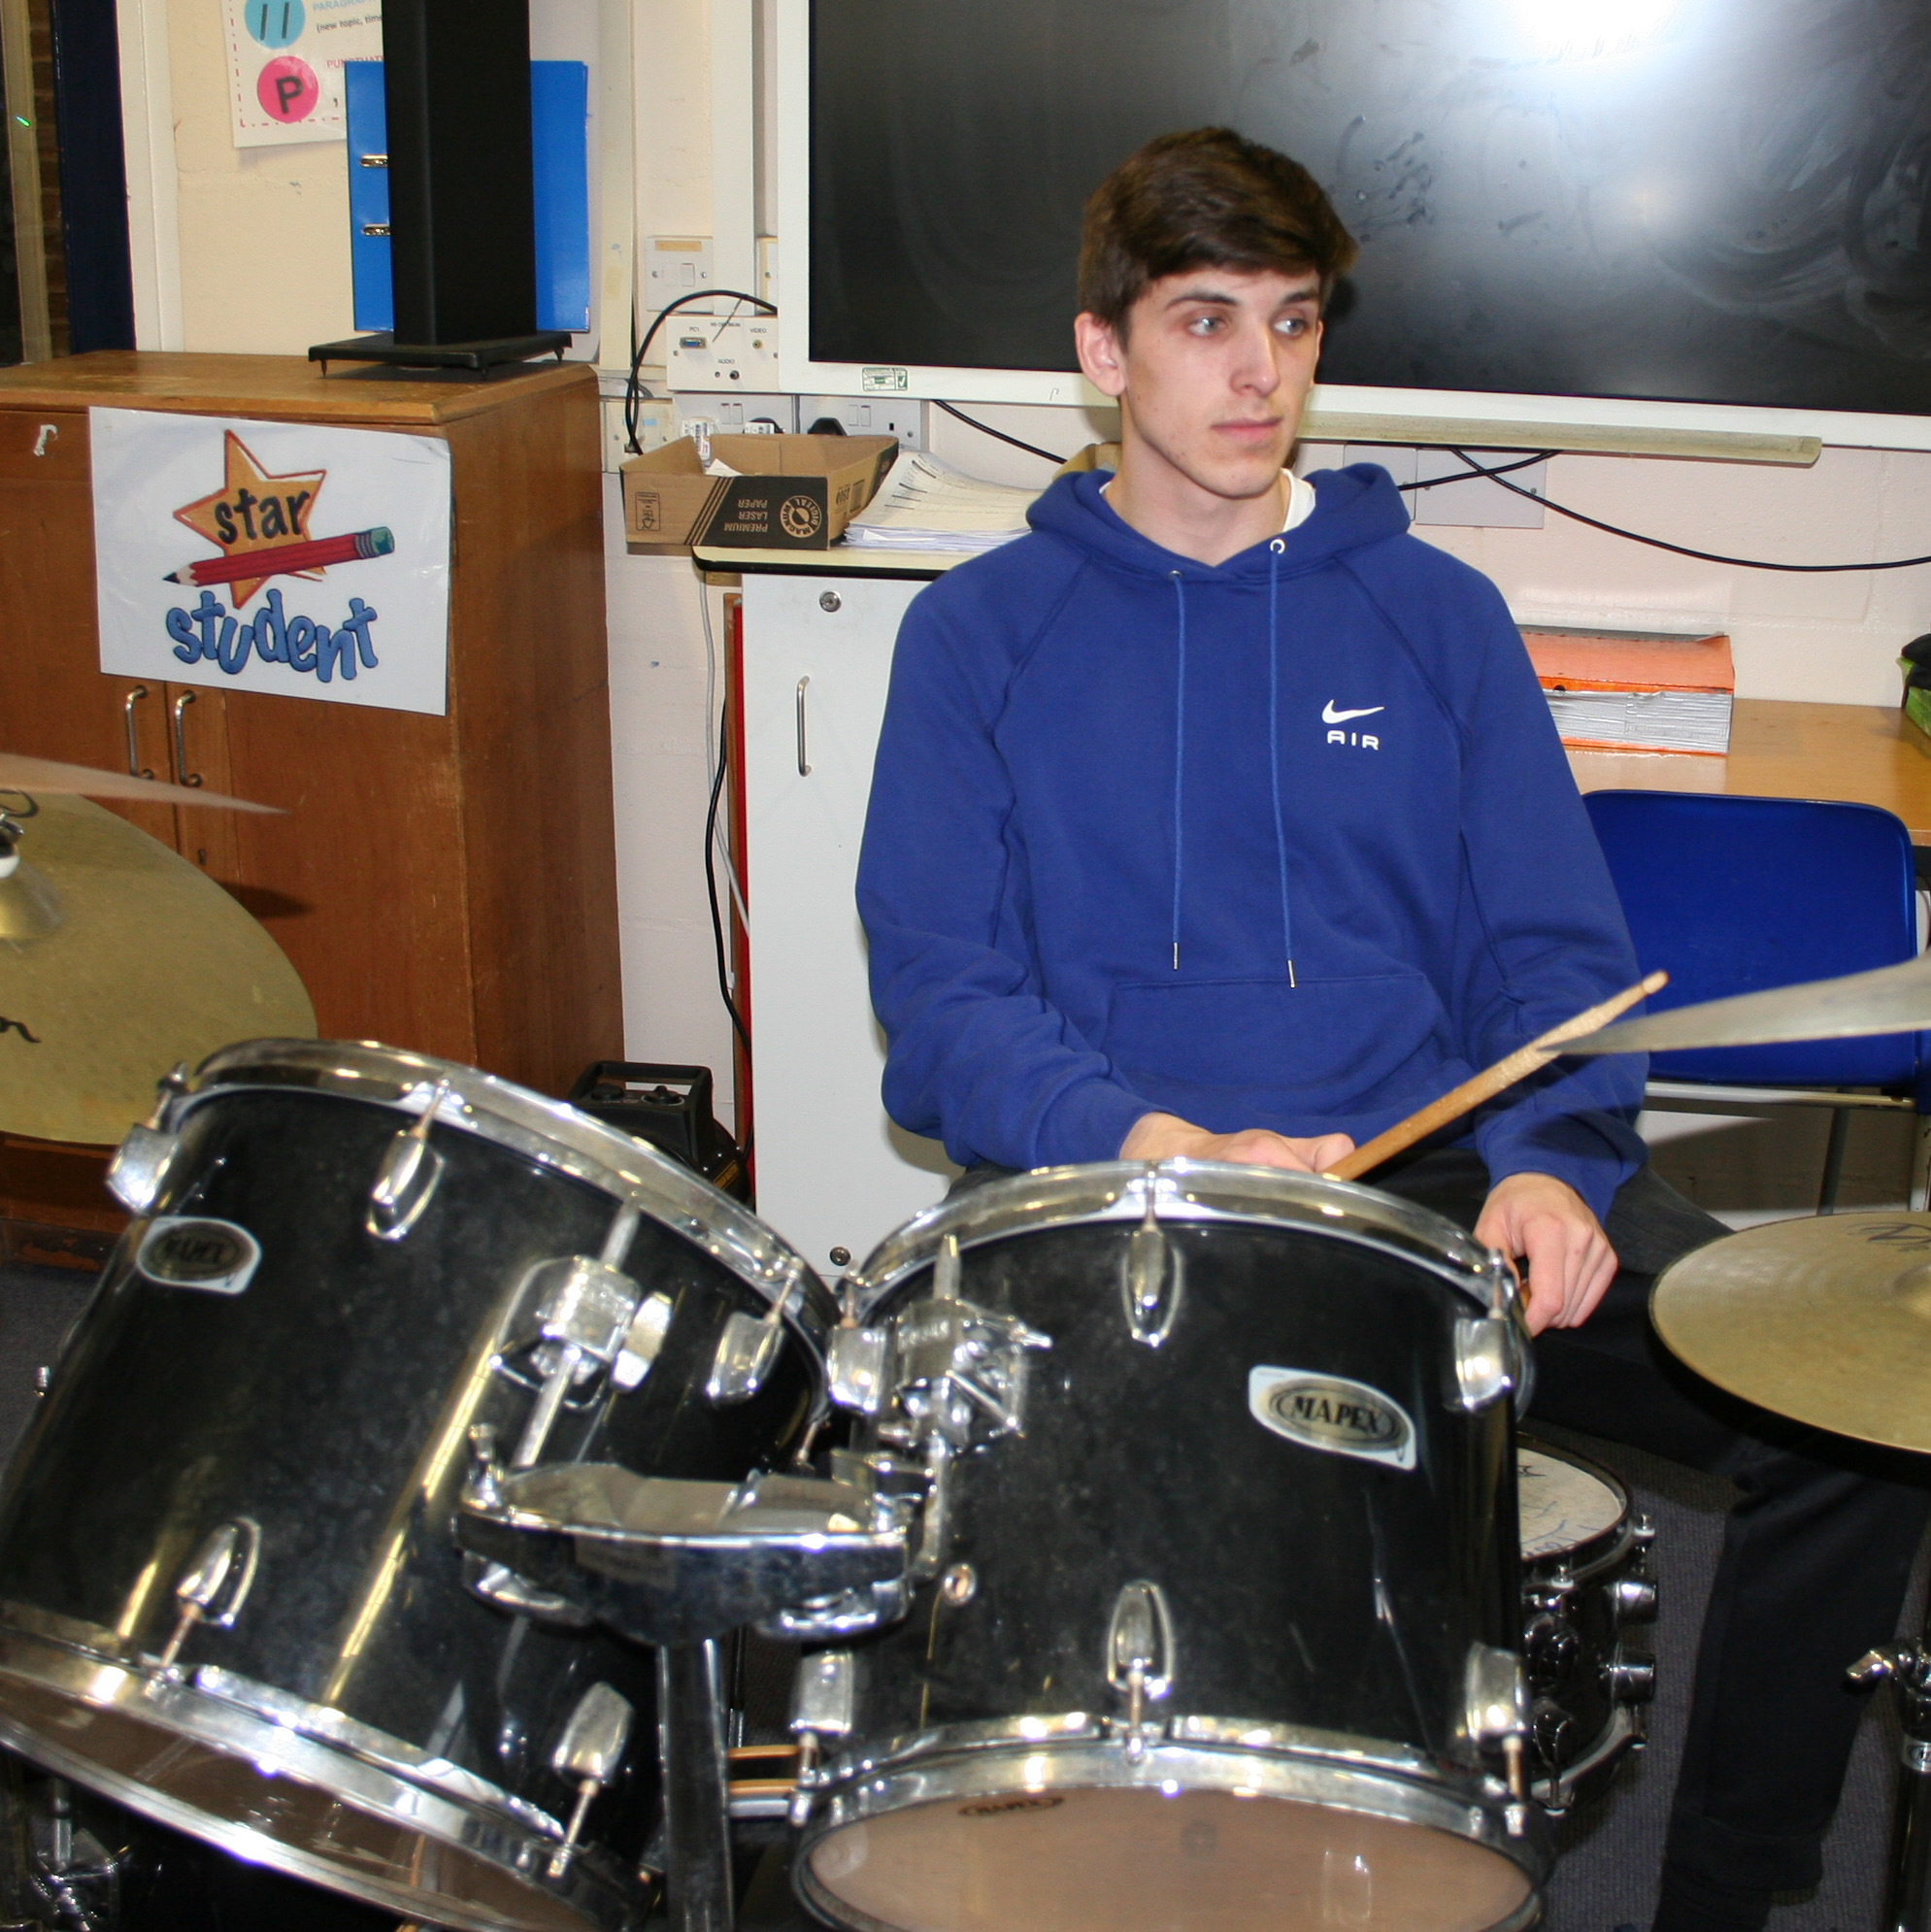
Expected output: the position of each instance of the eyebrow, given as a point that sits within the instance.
(1218, 298)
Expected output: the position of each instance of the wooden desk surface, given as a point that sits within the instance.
(273, 386)
(1866, 753)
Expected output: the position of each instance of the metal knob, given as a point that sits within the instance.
(1632, 1676)
(1635, 1600)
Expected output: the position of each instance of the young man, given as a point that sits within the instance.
(1221, 816)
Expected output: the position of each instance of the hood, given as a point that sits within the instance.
(1353, 508)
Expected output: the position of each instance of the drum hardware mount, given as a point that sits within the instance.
(1907, 1666)
(78, 1878)
(500, 1587)
(213, 1586)
(698, 1889)
(1140, 1657)
(590, 1753)
(823, 1706)
(140, 1163)
(408, 1175)
(1498, 1718)
(664, 1561)
(583, 1313)
(1151, 1272)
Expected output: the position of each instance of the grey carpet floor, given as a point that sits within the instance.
(1606, 1877)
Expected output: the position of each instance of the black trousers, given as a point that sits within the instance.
(1816, 1553)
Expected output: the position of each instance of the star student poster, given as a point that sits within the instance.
(298, 559)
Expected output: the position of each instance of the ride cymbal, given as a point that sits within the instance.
(1825, 1319)
(1893, 999)
(117, 959)
(19, 773)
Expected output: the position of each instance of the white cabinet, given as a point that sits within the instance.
(833, 1173)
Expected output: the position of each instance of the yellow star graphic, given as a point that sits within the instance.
(255, 511)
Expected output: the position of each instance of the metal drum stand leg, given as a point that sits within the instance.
(1908, 1902)
(697, 1832)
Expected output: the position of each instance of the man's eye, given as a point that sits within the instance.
(1292, 326)
(1208, 324)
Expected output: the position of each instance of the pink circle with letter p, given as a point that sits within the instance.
(287, 88)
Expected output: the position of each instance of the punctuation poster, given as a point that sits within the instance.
(285, 65)
(291, 558)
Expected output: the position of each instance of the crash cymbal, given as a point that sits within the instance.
(19, 773)
(1893, 999)
(117, 959)
(1825, 1319)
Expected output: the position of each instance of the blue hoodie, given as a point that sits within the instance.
(1285, 842)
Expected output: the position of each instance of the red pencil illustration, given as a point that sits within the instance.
(276, 559)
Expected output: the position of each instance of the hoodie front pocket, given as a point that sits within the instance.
(1322, 1045)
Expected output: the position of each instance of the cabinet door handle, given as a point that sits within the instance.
(135, 768)
(804, 763)
(183, 774)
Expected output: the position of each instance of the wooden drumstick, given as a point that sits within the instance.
(1460, 1100)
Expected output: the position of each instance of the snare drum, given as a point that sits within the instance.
(1585, 1577)
(1219, 1611)
(231, 1597)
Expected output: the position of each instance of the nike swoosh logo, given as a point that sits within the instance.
(1329, 715)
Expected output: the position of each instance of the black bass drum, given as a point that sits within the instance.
(229, 1597)
(1586, 1578)
(1218, 1614)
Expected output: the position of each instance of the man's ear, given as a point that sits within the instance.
(1099, 349)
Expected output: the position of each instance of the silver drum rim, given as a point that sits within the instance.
(477, 1823)
(549, 1132)
(1183, 1191)
(1457, 1805)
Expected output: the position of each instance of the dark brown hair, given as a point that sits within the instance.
(1205, 197)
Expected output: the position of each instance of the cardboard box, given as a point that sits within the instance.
(794, 492)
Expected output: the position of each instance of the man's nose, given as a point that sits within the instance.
(1256, 370)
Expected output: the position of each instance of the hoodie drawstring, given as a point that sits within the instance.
(1180, 749)
(1273, 745)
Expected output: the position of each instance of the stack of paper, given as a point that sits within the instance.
(926, 505)
(1615, 691)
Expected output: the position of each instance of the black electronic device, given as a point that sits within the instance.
(668, 1105)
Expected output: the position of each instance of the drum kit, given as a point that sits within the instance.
(1143, 1543)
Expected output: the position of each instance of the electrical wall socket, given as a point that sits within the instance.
(733, 415)
(869, 416)
(674, 265)
(725, 353)
(656, 426)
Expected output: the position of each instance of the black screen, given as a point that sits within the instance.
(1715, 201)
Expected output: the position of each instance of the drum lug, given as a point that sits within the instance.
(140, 1163)
(214, 1586)
(824, 1703)
(747, 1350)
(1151, 1277)
(859, 1368)
(1487, 1360)
(589, 1753)
(1498, 1707)
(1140, 1657)
(408, 1175)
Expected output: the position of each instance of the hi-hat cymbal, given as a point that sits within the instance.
(1893, 999)
(39, 776)
(117, 958)
(1825, 1319)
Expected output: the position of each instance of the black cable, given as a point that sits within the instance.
(633, 389)
(987, 429)
(1676, 550)
(711, 884)
(1500, 470)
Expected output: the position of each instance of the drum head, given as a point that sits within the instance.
(1094, 1860)
(1563, 1502)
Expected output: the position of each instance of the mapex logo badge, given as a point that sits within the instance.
(1325, 1412)
(193, 1252)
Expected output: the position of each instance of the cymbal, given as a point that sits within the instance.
(40, 776)
(1893, 999)
(117, 958)
(1825, 1319)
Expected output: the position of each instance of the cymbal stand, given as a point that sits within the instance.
(1907, 1899)
(697, 1832)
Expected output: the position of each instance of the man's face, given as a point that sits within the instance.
(1214, 372)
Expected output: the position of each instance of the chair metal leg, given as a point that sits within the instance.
(1840, 1134)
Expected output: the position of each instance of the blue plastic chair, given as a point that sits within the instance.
(1733, 895)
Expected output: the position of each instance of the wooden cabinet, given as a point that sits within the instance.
(443, 884)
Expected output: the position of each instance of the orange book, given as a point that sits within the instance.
(1624, 692)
